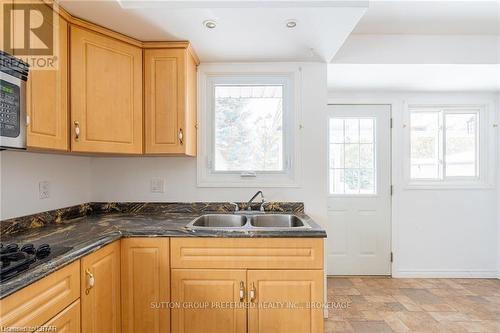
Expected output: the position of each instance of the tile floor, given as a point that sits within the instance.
(382, 304)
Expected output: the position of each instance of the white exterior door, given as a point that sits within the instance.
(359, 202)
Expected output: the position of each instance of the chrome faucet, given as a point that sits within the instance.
(249, 207)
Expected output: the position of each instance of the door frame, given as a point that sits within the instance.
(393, 149)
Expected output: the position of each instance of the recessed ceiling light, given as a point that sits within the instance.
(291, 24)
(210, 24)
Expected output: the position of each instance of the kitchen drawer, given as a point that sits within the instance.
(67, 321)
(39, 302)
(257, 253)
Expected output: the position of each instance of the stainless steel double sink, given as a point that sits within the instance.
(249, 221)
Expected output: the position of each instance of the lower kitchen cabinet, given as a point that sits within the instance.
(67, 321)
(286, 301)
(37, 303)
(145, 282)
(100, 290)
(196, 294)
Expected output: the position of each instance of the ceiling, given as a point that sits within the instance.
(413, 77)
(431, 17)
(246, 30)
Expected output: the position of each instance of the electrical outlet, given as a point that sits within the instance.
(157, 185)
(44, 189)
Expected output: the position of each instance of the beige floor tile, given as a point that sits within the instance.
(381, 304)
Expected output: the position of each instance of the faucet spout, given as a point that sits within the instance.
(249, 207)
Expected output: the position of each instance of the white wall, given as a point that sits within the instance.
(437, 233)
(128, 178)
(20, 173)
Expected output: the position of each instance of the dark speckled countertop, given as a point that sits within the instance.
(89, 233)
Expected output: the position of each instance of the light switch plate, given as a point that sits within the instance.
(44, 189)
(157, 185)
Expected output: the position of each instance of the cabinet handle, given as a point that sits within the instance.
(253, 293)
(242, 291)
(90, 281)
(77, 130)
(181, 136)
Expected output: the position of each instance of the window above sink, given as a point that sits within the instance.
(249, 126)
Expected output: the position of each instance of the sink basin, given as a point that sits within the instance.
(277, 221)
(219, 221)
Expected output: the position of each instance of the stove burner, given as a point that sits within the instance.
(15, 260)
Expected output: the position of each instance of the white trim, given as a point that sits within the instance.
(485, 179)
(292, 74)
(451, 273)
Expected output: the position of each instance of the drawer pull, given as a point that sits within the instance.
(242, 291)
(90, 281)
(253, 293)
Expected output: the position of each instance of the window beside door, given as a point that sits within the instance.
(445, 146)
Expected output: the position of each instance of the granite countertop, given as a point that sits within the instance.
(89, 233)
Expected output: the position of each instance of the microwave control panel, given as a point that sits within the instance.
(10, 109)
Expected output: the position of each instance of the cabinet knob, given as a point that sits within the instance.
(77, 129)
(242, 291)
(90, 281)
(181, 136)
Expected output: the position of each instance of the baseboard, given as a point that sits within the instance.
(466, 273)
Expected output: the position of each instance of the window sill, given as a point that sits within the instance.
(218, 180)
(249, 184)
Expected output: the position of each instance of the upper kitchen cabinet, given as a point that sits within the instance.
(106, 94)
(170, 100)
(47, 100)
(47, 86)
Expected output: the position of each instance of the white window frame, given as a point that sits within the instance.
(213, 74)
(375, 160)
(484, 150)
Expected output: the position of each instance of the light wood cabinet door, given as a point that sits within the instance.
(47, 96)
(170, 101)
(202, 290)
(106, 94)
(67, 321)
(298, 287)
(145, 281)
(100, 290)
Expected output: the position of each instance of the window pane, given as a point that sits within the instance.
(351, 155)
(336, 181)
(351, 130)
(366, 156)
(461, 144)
(351, 181)
(336, 130)
(336, 156)
(366, 130)
(424, 144)
(366, 181)
(248, 128)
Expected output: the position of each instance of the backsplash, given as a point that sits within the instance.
(19, 224)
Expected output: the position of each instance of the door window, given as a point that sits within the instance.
(352, 156)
